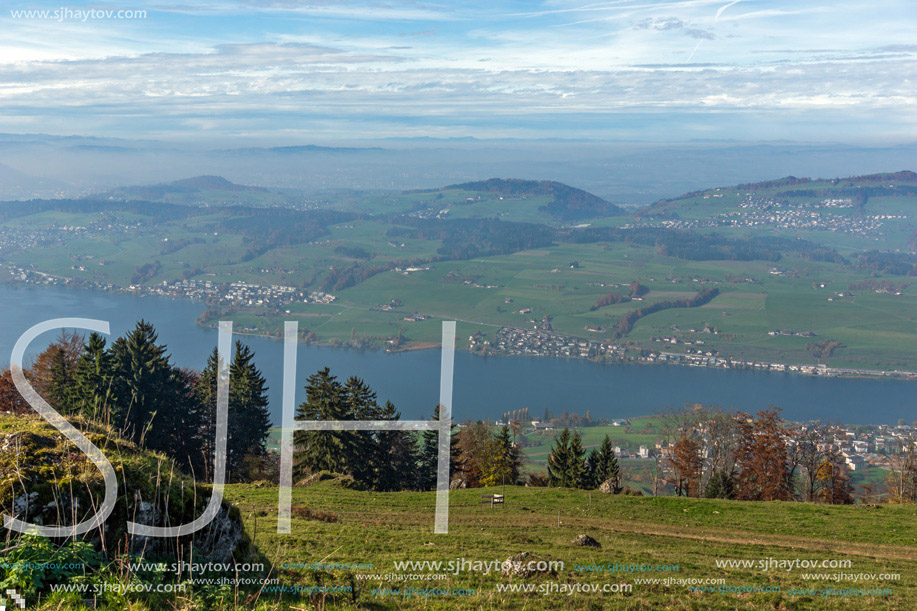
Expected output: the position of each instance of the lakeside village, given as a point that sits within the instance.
(860, 447)
(229, 294)
(507, 341)
(539, 342)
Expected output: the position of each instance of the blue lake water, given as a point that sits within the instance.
(484, 387)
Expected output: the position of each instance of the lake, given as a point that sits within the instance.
(484, 387)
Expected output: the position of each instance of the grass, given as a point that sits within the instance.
(379, 529)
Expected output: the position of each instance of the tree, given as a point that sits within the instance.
(398, 451)
(566, 467)
(249, 418)
(59, 389)
(721, 485)
(510, 458)
(475, 452)
(902, 479)
(367, 455)
(94, 379)
(559, 461)
(834, 483)
(321, 450)
(143, 378)
(686, 462)
(762, 457)
(607, 467)
(11, 402)
(810, 455)
(429, 455)
(154, 403)
(579, 475)
(51, 373)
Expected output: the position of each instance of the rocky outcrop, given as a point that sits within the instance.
(586, 541)
(46, 480)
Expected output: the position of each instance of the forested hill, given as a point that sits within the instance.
(888, 180)
(567, 203)
(179, 190)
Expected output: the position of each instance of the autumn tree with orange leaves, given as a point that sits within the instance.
(686, 462)
(762, 457)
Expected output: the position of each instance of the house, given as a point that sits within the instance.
(855, 463)
(643, 452)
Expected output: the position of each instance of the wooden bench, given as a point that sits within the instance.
(493, 499)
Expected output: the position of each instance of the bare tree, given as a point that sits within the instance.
(902, 480)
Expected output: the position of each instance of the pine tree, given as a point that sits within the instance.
(560, 461)
(93, 384)
(321, 450)
(428, 464)
(510, 457)
(249, 418)
(365, 454)
(59, 391)
(398, 469)
(143, 380)
(608, 468)
(578, 473)
(720, 486)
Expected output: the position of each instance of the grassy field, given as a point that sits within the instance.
(681, 538)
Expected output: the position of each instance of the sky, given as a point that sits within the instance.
(330, 71)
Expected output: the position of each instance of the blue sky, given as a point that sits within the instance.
(333, 71)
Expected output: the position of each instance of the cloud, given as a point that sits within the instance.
(671, 23)
(467, 66)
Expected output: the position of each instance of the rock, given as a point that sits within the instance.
(586, 541)
(526, 565)
(609, 487)
(457, 484)
(315, 477)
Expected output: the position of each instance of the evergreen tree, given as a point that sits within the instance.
(510, 457)
(249, 418)
(59, 391)
(205, 391)
(578, 474)
(608, 468)
(154, 403)
(322, 450)
(93, 384)
(560, 462)
(720, 486)
(428, 460)
(366, 455)
(143, 380)
(398, 449)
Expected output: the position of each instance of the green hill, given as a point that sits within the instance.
(567, 203)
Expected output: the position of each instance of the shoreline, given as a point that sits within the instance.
(421, 346)
(415, 346)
